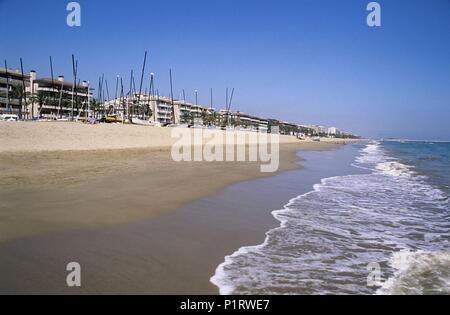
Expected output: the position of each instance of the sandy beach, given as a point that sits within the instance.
(53, 180)
(60, 178)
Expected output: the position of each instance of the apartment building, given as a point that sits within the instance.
(57, 98)
(333, 132)
(12, 88)
(242, 121)
(158, 109)
(32, 97)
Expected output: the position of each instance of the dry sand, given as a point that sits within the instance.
(59, 197)
(52, 180)
(57, 136)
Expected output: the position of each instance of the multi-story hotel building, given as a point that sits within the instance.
(242, 121)
(12, 87)
(159, 109)
(31, 97)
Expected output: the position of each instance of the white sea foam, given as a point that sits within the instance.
(419, 272)
(394, 168)
(327, 236)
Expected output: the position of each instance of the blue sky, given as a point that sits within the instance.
(305, 61)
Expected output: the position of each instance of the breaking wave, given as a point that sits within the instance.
(327, 237)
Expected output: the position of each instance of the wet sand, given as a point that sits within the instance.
(174, 253)
(115, 212)
(44, 192)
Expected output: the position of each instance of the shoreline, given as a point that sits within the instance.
(174, 253)
(314, 172)
(93, 188)
(21, 137)
(122, 211)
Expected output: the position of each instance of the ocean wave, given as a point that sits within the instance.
(395, 168)
(419, 272)
(329, 235)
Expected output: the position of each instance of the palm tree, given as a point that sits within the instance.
(17, 92)
(187, 118)
(144, 111)
(95, 107)
(40, 98)
(208, 118)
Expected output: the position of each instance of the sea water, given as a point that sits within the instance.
(395, 215)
